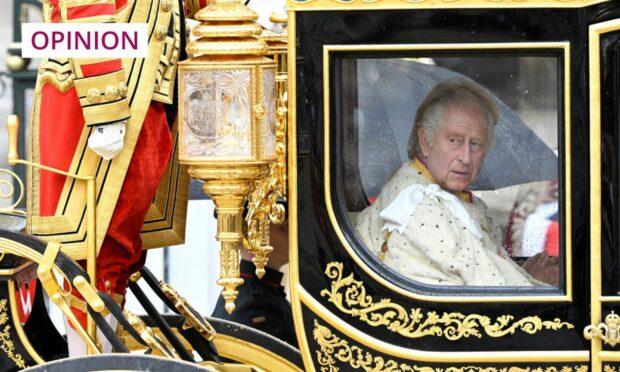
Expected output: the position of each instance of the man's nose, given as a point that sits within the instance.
(465, 154)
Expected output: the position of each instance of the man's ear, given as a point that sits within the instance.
(426, 148)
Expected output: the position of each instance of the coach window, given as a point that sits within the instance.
(450, 166)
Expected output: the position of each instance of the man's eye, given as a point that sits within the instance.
(454, 140)
(476, 146)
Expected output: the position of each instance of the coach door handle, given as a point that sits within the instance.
(608, 332)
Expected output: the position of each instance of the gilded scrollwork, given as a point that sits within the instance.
(350, 297)
(281, 122)
(333, 350)
(263, 209)
(6, 344)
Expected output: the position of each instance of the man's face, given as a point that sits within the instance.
(456, 156)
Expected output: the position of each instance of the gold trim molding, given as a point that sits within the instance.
(6, 344)
(333, 349)
(349, 296)
(596, 31)
(302, 5)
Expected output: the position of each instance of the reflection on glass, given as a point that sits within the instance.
(459, 181)
(269, 101)
(217, 106)
(202, 112)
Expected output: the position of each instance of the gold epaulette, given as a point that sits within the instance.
(58, 72)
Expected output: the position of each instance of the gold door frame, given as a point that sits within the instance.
(597, 299)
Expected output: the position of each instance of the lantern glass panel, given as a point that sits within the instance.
(269, 101)
(217, 113)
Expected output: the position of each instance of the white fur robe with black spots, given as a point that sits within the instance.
(435, 247)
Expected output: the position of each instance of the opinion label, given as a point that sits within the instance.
(84, 40)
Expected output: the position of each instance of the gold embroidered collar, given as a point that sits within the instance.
(421, 168)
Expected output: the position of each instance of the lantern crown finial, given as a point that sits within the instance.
(227, 28)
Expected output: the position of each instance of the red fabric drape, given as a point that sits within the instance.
(60, 126)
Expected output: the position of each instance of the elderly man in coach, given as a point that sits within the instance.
(425, 224)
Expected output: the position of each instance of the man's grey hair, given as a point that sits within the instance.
(452, 92)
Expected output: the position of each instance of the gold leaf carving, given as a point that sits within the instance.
(6, 344)
(263, 208)
(333, 349)
(349, 296)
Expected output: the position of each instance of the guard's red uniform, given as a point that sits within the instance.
(61, 122)
(120, 253)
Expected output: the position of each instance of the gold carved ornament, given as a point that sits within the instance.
(279, 170)
(608, 332)
(333, 349)
(263, 209)
(349, 296)
(6, 344)
(281, 123)
(278, 49)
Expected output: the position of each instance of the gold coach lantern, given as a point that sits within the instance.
(228, 118)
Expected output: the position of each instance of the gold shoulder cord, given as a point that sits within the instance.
(384, 247)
